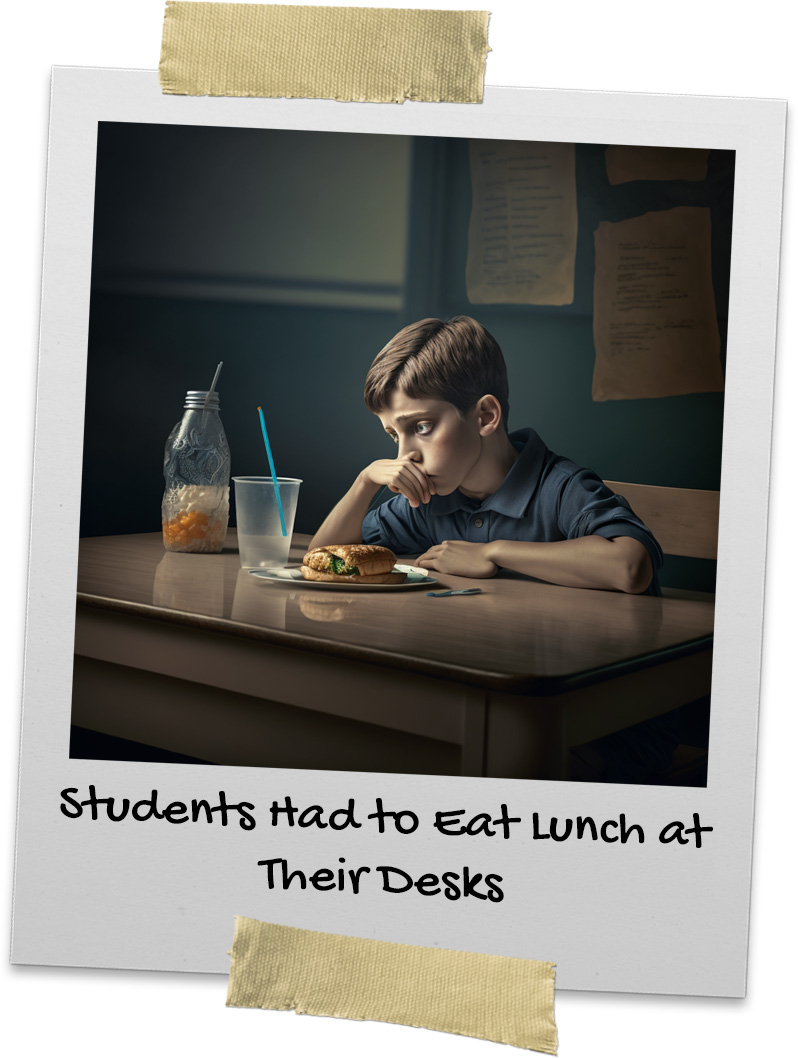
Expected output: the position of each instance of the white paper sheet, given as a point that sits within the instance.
(522, 235)
(654, 323)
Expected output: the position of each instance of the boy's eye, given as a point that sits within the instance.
(423, 427)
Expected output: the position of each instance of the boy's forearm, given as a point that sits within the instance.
(344, 524)
(621, 564)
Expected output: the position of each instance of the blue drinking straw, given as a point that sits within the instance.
(271, 468)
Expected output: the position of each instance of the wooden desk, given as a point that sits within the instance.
(191, 654)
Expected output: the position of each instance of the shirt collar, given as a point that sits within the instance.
(513, 495)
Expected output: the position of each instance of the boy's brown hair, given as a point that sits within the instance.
(453, 360)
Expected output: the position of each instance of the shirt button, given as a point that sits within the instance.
(478, 522)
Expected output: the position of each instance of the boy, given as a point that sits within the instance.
(471, 498)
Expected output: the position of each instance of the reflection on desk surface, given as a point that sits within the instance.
(517, 628)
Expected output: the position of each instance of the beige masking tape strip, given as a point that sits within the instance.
(495, 998)
(350, 54)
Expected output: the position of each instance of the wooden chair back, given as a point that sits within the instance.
(684, 521)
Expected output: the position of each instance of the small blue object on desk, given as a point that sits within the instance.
(457, 592)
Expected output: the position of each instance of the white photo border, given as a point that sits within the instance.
(653, 918)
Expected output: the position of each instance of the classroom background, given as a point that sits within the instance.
(293, 257)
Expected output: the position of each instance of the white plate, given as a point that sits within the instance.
(416, 578)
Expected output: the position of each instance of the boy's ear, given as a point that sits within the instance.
(489, 414)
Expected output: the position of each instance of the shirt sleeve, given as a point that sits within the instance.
(398, 526)
(588, 506)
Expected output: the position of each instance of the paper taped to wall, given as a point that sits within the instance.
(655, 328)
(655, 163)
(522, 235)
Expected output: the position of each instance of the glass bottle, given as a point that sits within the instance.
(196, 468)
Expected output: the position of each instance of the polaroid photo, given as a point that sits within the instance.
(532, 731)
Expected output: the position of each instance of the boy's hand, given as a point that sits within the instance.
(458, 558)
(401, 476)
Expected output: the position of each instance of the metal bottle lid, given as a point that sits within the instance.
(196, 399)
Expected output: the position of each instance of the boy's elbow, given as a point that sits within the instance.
(635, 571)
(637, 581)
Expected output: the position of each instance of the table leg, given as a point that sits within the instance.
(530, 737)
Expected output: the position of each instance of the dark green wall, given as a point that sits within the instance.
(305, 363)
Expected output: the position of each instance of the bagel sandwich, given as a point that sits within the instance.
(358, 564)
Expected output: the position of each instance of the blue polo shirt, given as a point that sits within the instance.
(544, 497)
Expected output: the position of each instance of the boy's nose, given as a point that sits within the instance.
(410, 452)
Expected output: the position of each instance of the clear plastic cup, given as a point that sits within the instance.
(261, 542)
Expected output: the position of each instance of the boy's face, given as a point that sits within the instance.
(444, 444)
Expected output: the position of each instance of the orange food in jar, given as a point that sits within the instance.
(193, 531)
